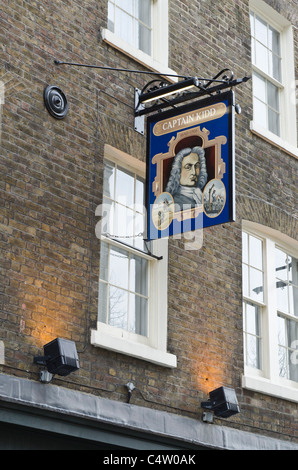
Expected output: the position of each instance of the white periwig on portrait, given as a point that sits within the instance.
(174, 179)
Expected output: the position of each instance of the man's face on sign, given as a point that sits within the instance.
(190, 170)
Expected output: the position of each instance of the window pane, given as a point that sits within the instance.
(293, 270)
(274, 56)
(293, 289)
(252, 24)
(281, 330)
(126, 5)
(245, 247)
(262, 57)
(107, 220)
(282, 296)
(281, 264)
(286, 284)
(253, 51)
(143, 11)
(293, 367)
(256, 285)
(138, 315)
(252, 335)
(118, 267)
(124, 187)
(282, 362)
(252, 275)
(252, 352)
(143, 35)
(140, 195)
(124, 26)
(259, 87)
(292, 333)
(288, 340)
(108, 179)
(252, 323)
(138, 231)
(245, 285)
(103, 273)
(138, 275)
(273, 122)
(118, 307)
(275, 67)
(293, 299)
(261, 30)
(260, 113)
(273, 96)
(124, 224)
(111, 16)
(102, 302)
(255, 252)
(131, 20)
(274, 40)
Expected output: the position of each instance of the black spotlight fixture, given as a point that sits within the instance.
(60, 357)
(223, 402)
(55, 102)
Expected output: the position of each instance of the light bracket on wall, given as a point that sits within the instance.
(222, 402)
(185, 90)
(60, 357)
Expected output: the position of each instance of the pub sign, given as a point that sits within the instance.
(190, 167)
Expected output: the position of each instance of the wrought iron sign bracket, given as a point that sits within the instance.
(160, 94)
(158, 90)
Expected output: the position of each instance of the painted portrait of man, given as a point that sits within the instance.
(187, 178)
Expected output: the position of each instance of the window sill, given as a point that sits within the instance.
(144, 59)
(262, 385)
(100, 338)
(273, 139)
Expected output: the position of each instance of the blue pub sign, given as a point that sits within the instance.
(190, 167)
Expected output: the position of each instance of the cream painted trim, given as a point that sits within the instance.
(125, 346)
(268, 380)
(288, 140)
(126, 160)
(158, 61)
(281, 239)
(154, 347)
(273, 139)
(139, 56)
(263, 9)
(262, 385)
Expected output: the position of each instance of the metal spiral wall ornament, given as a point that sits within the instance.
(55, 102)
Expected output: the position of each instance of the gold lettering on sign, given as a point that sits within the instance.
(182, 121)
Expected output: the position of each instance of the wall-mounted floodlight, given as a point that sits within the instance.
(223, 402)
(166, 90)
(60, 357)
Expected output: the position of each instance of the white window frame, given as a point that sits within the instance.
(267, 380)
(288, 138)
(158, 60)
(154, 347)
